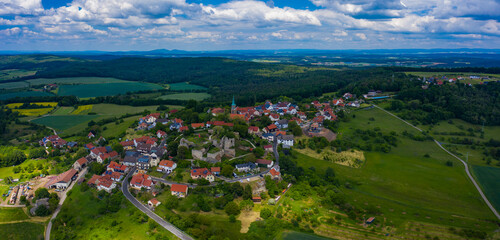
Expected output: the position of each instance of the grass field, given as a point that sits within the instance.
(406, 185)
(9, 74)
(488, 178)
(83, 207)
(63, 122)
(9, 171)
(14, 85)
(84, 109)
(114, 129)
(12, 214)
(63, 111)
(493, 77)
(186, 96)
(22, 231)
(105, 89)
(5, 96)
(33, 112)
(185, 87)
(75, 80)
(118, 110)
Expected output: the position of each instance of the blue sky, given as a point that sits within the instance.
(117, 25)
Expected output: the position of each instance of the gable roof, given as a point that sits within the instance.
(178, 188)
(166, 163)
(82, 161)
(63, 177)
(215, 169)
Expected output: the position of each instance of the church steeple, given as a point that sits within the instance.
(233, 106)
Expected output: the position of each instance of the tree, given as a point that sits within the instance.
(232, 208)
(182, 151)
(247, 193)
(259, 152)
(265, 213)
(96, 168)
(295, 128)
(227, 170)
(42, 210)
(42, 193)
(246, 205)
(118, 148)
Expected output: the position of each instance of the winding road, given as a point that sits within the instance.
(453, 155)
(170, 227)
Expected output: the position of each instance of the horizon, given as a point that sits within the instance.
(222, 25)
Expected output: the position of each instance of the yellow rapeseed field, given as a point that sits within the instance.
(33, 112)
(83, 109)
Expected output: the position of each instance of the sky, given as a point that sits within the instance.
(121, 25)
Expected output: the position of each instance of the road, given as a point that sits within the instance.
(453, 155)
(61, 201)
(171, 228)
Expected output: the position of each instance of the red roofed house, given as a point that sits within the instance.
(217, 111)
(102, 157)
(215, 170)
(274, 173)
(179, 190)
(166, 166)
(151, 118)
(234, 116)
(183, 128)
(268, 148)
(271, 128)
(337, 102)
(153, 203)
(80, 163)
(264, 163)
(105, 183)
(274, 117)
(116, 167)
(90, 135)
(127, 145)
(63, 180)
(161, 134)
(202, 173)
(141, 181)
(197, 125)
(253, 130)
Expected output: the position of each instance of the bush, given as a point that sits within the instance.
(449, 163)
(232, 208)
(265, 213)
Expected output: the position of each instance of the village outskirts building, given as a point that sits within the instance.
(179, 190)
(63, 180)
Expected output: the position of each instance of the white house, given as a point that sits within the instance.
(286, 140)
(166, 166)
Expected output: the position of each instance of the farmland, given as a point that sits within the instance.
(493, 77)
(84, 109)
(5, 96)
(63, 111)
(9, 74)
(22, 231)
(186, 96)
(12, 214)
(63, 122)
(184, 86)
(13, 85)
(488, 178)
(33, 112)
(75, 80)
(105, 89)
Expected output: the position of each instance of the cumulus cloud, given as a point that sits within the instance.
(15, 7)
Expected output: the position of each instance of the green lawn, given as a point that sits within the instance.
(8, 74)
(489, 177)
(119, 110)
(185, 86)
(22, 231)
(63, 122)
(87, 223)
(63, 111)
(75, 80)
(12, 214)
(290, 235)
(14, 85)
(114, 130)
(9, 171)
(186, 96)
(5, 96)
(105, 89)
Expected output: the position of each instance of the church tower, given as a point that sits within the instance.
(233, 107)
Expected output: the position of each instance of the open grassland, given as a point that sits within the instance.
(405, 185)
(9, 74)
(105, 89)
(489, 177)
(290, 235)
(33, 112)
(184, 86)
(82, 219)
(74, 80)
(84, 109)
(113, 129)
(118, 110)
(351, 158)
(186, 96)
(13, 85)
(22, 231)
(63, 111)
(12, 214)
(5, 96)
(9, 171)
(63, 122)
(493, 77)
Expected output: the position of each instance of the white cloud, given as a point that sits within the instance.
(15, 7)
(360, 36)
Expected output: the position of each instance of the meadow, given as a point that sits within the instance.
(13, 85)
(9, 74)
(63, 111)
(22, 231)
(127, 223)
(291, 235)
(84, 109)
(113, 129)
(488, 178)
(9, 171)
(63, 122)
(5, 96)
(186, 96)
(184, 86)
(33, 112)
(12, 214)
(105, 89)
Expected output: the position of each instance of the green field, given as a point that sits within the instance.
(5, 96)
(105, 89)
(22, 231)
(465, 75)
(185, 87)
(13, 85)
(9, 171)
(75, 80)
(406, 185)
(82, 219)
(489, 177)
(118, 110)
(9, 74)
(12, 214)
(63, 122)
(63, 111)
(113, 129)
(186, 96)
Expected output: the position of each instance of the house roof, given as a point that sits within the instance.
(82, 161)
(253, 128)
(215, 169)
(197, 125)
(166, 163)
(154, 201)
(93, 179)
(116, 175)
(179, 188)
(263, 161)
(183, 128)
(272, 126)
(274, 172)
(127, 143)
(141, 180)
(245, 165)
(204, 172)
(268, 146)
(63, 177)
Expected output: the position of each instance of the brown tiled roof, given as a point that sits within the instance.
(179, 188)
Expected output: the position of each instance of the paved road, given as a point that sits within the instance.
(171, 228)
(462, 161)
(12, 206)
(61, 201)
